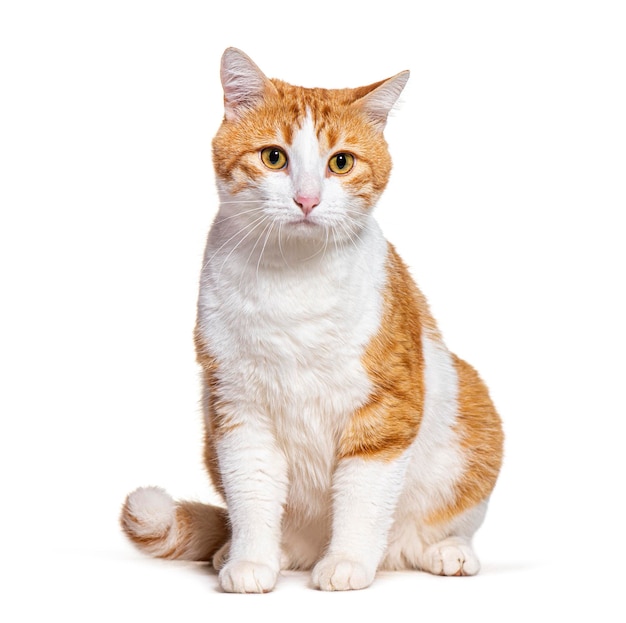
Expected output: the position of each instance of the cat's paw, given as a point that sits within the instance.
(452, 558)
(338, 574)
(221, 556)
(242, 576)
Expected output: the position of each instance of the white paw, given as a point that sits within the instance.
(337, 574)
(241, 576)
(452, 558)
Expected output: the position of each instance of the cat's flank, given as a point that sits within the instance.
(341, 433)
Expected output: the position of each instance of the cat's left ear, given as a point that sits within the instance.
(245, 85)
(377, 100)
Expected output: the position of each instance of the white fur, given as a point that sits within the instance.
(365, 497)
(307, 168)
(287, 306)
(153, 513)
(451, 556)
(255, 481)
(290, 363)
(153, 507)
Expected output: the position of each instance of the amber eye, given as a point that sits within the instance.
(341, 163)
(274, 158)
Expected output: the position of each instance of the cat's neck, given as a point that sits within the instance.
(331, 282)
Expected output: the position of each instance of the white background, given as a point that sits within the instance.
(507, 200)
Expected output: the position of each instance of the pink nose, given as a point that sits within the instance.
(307, 202)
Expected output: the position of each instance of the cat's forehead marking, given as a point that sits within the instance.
(305, 138)
(309, 108)
(306, 165)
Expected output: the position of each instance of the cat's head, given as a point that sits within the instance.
(300, 162)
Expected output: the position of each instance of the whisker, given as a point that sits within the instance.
(252, 251)
(227, 218)
(320, 250)
(351, 235)
(326, 243)
(253, 225)
(356, 235)
(352, 211)
(245, 201)
(336, 245)
(231, 238)
(280, 246)
(259, 224)
(267, 236)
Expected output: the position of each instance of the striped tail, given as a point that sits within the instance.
(159, 526)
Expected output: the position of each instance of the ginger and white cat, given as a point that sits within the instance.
(341, 433)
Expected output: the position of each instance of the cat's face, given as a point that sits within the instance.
(300, 163)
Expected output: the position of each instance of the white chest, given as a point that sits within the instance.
(289, 342)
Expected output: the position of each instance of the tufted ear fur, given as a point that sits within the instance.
(243, 82)
(377, 100)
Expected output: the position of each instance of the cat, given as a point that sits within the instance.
(341, 433)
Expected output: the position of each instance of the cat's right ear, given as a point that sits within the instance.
(245, 85)
(377, 100)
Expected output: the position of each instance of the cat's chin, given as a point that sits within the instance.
(306, 224)
(305, 227)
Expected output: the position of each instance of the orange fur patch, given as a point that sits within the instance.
(387, 424)
(481, 438)
(216, 422)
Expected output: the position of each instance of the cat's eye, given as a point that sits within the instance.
(341, 163)
(274, 158)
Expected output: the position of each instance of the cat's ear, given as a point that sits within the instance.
(245, 85)
(377, 100)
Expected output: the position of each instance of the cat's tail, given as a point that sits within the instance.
(165, 528)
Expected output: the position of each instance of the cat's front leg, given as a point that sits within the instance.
(365, 494)
(254, 476)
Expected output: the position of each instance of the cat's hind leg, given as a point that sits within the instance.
(452, 556)
(441, 549)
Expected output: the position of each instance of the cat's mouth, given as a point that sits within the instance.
(304, 222)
